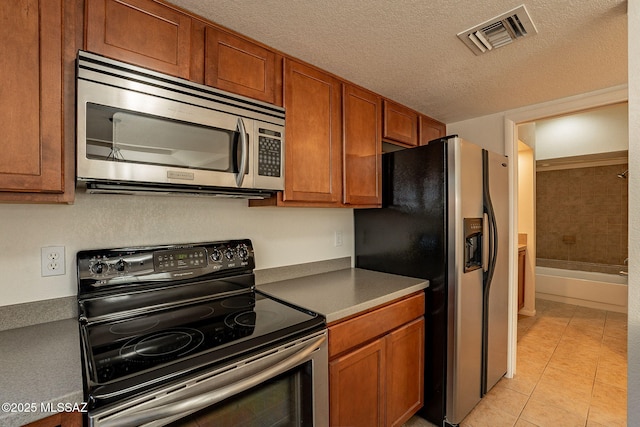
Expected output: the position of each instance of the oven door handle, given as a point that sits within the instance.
(196, 403)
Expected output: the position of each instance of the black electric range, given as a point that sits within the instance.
(151, 315)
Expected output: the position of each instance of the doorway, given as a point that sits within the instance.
(573, 208)
(562, 337)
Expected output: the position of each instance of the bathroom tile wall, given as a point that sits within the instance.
(582, 215)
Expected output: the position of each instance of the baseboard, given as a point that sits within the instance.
(582, 303)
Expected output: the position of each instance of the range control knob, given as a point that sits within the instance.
(99, 268)
(229, 254)
(120, 265)
(216, 255)
(243, 252)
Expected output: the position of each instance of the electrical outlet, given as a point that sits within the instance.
(338, 238)
(52, 261)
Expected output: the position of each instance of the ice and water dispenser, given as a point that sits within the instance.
(472, 244)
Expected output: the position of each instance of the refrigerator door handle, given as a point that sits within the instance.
(491, 225)
(485, 242)
(488, 273)
(492, 244)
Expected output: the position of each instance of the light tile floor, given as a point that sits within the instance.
(571, 371)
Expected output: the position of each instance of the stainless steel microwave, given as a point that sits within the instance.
(139, 131)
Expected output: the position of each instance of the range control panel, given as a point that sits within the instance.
(97, 268)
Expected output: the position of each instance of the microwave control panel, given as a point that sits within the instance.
(269, 153)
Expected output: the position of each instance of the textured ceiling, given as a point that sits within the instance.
(407, 50)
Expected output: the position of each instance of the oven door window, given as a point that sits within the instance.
(118, 135)
(285, 400)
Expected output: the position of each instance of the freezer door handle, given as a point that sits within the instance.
(485, 242)
(491, 228)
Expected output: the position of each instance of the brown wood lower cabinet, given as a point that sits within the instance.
(63, 419)
(376, 365)
(404, 372)
(357, 387)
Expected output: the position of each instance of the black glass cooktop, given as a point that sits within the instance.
(219, 328)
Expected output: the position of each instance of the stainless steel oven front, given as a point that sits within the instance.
(285, 386)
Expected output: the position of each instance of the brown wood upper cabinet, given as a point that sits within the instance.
(400, 124)
(362, 147)
(431, 129)
(240, 66)
(38, 52)
(313, 147)
(140, 32)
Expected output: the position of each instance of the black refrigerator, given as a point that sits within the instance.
(444, 218)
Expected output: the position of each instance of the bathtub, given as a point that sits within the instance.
(590, 289)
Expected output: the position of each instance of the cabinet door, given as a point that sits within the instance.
(400, 124)
(313, 161)
(239, 66)
(362, 147)
(405, 372)
(357, 387)
(431, 129)
(141, 32)
(37, 37)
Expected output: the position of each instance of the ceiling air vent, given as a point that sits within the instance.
(499, 31)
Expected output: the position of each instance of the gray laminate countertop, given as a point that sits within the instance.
(40, 365)
(39, 368)
(343, 293)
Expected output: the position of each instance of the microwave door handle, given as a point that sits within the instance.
(244, 152)
(196, 403)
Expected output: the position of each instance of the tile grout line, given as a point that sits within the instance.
(543, 369)
(601, 340)
(595, 376)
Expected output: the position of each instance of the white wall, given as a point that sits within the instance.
(527, 221)
(487, 132)
(589, 132)
(633, 396)
(281, 236)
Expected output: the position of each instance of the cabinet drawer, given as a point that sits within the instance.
(350, 333)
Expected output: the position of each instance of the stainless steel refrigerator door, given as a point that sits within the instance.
(499, 290)
(465, 289)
